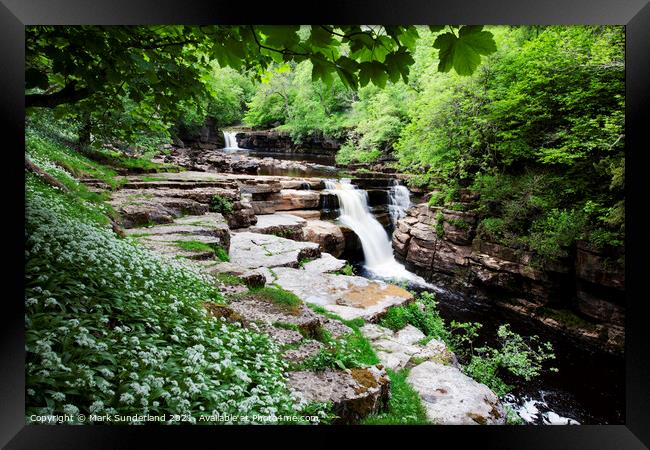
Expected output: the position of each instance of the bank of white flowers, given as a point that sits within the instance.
(114, 329)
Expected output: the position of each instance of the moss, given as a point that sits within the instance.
(224, 311)
(194, 246)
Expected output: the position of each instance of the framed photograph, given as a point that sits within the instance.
(414, 218)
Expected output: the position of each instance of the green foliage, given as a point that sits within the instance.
(404, 406)
(228, 279)
(194, 246)
(278, 296)
(421, 314)
(111, 328)
(347, 269)
(221, 204)
(350, 351)
(521, 356)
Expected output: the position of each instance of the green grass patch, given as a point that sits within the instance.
(404, 406)
(350, 351)
(228, 279)
(278, 296)
(194, 246)
(355, 324)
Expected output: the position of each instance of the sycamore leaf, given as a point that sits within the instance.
(463, 52)
(374, 71)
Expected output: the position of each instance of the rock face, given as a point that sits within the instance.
(281, 142)
(441, 244)
(288, 199)
(326, 234)
(452, 398)
(354, 393)
(349, 297)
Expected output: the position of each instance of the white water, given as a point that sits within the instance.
(377, 248)
(399, 201)
(231, 141)
(537, 411)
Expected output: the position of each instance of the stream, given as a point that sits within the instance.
(589, 386)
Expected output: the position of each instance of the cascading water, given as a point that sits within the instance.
(377, 249)
(399, 201)
(230, 140)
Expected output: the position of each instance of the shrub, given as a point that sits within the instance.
(221, 204)
(352, 350)
(421, 314)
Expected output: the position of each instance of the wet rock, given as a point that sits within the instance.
(452, 398)
(253, 250)
(355, 393)
(327, 235)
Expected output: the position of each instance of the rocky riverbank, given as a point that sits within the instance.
(582, 296)
(295, 250)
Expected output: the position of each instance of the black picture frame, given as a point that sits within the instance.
(634, 14)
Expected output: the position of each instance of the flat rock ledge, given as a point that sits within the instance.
(452, 398)
(349, 297)
(403, 349)
(354, 393)
(254, 250)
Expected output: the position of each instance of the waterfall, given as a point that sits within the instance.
(230, 140)
(376, 244)
(399, 201)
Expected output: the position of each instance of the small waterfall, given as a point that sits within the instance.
(377, 248)
(399, 201)
(230, 140)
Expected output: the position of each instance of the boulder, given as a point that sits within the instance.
(327, 235)
(354, 393)
(452, 398)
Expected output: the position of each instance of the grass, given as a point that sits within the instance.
(404, 407)
(228, 279)
(348, 352)
(198, 246)
(355, 324)
(285, 299)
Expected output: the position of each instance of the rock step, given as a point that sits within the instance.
(141, 211)
(224, 184)
(354, 393)
(253, 250)
(283, 225)
(350, 297)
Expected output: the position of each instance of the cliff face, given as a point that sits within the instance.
(273, 141)
(582, 295)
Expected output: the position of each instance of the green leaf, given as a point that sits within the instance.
(463, 52)
(374, 71)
